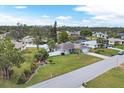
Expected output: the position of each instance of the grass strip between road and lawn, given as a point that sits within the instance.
(105, 51)
(119, 46)
(111, 79)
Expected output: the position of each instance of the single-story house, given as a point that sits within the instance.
(121, 35)
(4, 35)
(91, 44)
(100, 35)
(65, 48)
(18, 45)
(45, 46)
(113, 41)
(73, 33)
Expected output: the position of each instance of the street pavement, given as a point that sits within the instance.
(75, 78)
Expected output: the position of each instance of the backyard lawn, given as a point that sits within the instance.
(62, 64)
(119, 46)
(111, 79)
(105, 51)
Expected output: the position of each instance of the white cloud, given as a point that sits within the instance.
(102, 13)
(64, 17)
(7, 19)
(20, 7)
(45, 16)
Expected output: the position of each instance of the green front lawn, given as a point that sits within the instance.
(111, 79)
(105, 51)
(63, 64)
(119, 46)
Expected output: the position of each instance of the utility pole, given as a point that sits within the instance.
(117, 61)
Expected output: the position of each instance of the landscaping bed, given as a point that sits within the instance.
(105, 51)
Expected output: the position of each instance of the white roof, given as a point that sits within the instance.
(45, 46)
(92, 42)
(115, 39)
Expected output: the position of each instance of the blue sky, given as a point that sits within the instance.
(70, 15)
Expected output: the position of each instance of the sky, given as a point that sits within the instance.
(91, 15)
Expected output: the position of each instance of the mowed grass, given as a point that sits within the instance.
(105, 51)
(111, 79)
(28, 55)
(63, 64)
(119, 46)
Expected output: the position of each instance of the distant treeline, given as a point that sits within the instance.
(4, 29)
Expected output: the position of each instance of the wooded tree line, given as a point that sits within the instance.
(28, 29)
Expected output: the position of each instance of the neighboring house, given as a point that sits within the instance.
(113, 41)
(45, 46)
(100, 35)
(79, 41)
(4, 35)
(27, 40)
(18, 45)
(121, 35)
(65, 48)
(73, 33)
(91, 44)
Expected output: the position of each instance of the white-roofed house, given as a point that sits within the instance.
(91, 44)
(27, 40)
(45, 46)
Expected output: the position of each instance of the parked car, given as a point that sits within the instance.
(121, 53)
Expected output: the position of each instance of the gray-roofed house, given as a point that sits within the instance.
(65, 48)
(113, 41)
(121, 35)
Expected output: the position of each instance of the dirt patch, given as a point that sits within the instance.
(121, 66)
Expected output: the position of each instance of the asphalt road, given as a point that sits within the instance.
(75, 78)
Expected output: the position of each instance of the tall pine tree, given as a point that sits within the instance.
(54, 32)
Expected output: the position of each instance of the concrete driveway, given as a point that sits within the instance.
(97, 55)
(75, 78)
